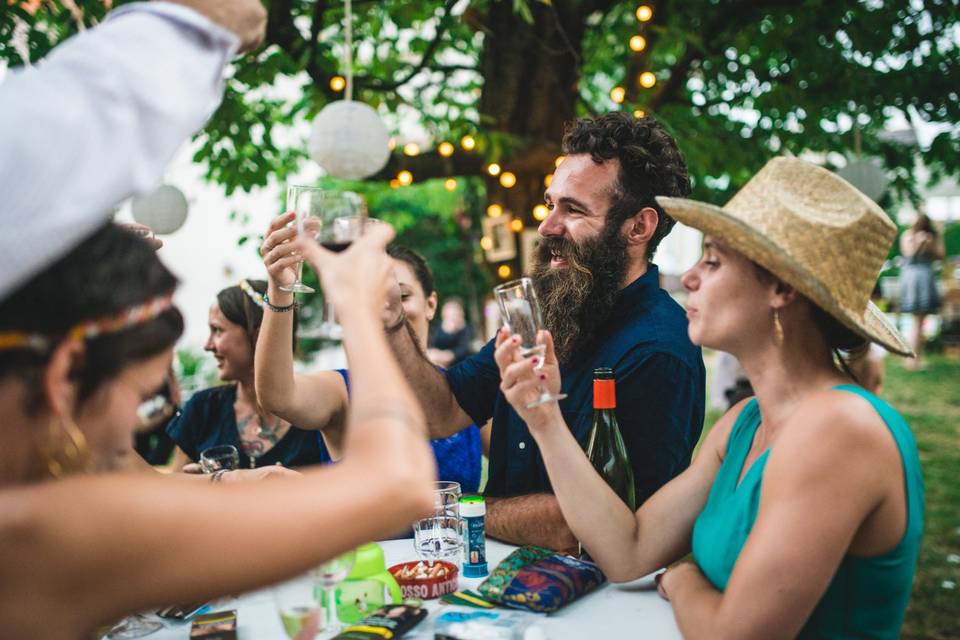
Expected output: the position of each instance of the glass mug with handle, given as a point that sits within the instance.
(522, 316)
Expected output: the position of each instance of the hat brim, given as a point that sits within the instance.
(715, 221)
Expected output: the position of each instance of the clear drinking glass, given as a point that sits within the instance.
(307, 203)
(136, 626)
(224, 456)
(522, 317)
(439, 537)
(343, 220)
(329, 575)
(446, 498)
(298, 608)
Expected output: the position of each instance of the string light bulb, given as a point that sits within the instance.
(394, 183)
(392, 144)
(450, 184)
(445, 149)
(547, 179)
(404, 178)
(639, 113)
(644, 13)
(617, 94)
(411, 149)
(508, 179)
(493, 169)
(516, 225)
(486, 243)
(337, 83)
(468, 142)
(647, 79)
(504, 271)
(494, 210)
(638, 43)
(540, 212)
(559, 160)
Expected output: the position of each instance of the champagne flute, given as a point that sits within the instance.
(329, 575)
(522, 317)
(307, 204)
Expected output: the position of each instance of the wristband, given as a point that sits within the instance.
(290, 307)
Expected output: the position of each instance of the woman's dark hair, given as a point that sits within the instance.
(109, 272)
(417, 262)
(650, 165)
(239, 308)
(923, 223)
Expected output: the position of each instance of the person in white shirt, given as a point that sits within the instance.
(98, 119)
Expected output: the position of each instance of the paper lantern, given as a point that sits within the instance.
(164, 209)
(349, 140)
(867, 175)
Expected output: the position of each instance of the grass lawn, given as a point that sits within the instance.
(930, 401)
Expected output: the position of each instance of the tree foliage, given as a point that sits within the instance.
(737, 81)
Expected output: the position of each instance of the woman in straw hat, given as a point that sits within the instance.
(804, 507)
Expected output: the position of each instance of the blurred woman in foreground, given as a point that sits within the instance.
(82, 345)
(804, 506)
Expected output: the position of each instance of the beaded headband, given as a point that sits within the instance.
(132, 316)
(252, 293)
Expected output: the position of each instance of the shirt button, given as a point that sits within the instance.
(522, 445)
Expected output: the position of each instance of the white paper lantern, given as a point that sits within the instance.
(164, 209)
(349, 140)
(867, 175)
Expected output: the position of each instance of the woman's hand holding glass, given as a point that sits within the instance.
(279, 257)
(359, 277)
(524, 379)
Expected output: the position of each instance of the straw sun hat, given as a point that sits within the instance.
(814, 231)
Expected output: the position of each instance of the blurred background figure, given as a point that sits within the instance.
(230, 413)
(920, 245)
(451, 340)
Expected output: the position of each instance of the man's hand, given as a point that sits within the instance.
(245, 18)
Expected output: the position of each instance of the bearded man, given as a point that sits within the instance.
(602, 303)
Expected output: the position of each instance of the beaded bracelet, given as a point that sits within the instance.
(290, 307)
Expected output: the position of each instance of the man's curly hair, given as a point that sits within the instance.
(650, 165)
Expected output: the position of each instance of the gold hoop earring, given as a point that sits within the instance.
(68, 457)
(777, 329)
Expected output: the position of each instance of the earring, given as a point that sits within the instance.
(66, 457)
(777, 329)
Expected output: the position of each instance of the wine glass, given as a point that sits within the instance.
(307, 204)
(136, 626)
(224, 456)
(297, 606)
(329, 575)
(522, 316)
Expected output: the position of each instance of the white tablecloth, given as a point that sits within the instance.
(632, 610)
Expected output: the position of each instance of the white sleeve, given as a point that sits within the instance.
(96, 122)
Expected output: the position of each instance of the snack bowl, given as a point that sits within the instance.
(421, 579)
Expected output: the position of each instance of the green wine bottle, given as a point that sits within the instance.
(605, 449)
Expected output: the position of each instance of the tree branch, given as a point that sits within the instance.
(380, 85)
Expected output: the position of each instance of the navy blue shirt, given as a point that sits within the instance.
(660, 395)
(208, 420)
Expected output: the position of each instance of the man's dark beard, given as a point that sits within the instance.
(578, 300)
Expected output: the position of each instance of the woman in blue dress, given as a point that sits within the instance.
(231, 413)
(804, 506)
(319, 400)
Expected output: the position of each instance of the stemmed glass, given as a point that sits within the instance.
(343, 220)
(297, 606)
(307, 203)
(329, 575)
(223, 456)
(522, 316)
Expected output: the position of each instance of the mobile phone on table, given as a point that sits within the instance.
(221, 625)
